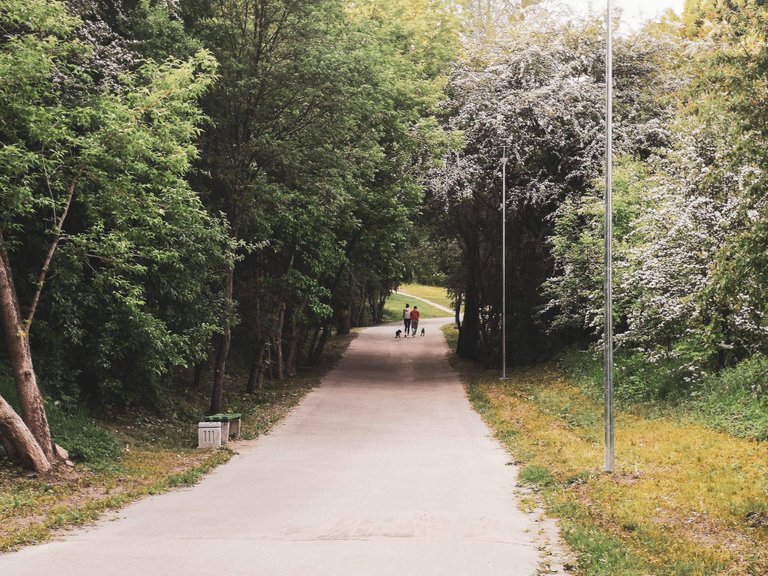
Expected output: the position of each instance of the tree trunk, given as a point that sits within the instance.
(295, 344)
(380, 309)
(257, 368)
(279, 362)
(457, 312)
(313, 342)
(295, 340)
(270, 364)
(344, 321)
(469, 334)
(222, 351)
(14, 431)
(372, 299)
(20, 355)
(197, 377)
(321, 343)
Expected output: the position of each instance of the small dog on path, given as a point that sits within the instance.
(397, 333)
(423, 333)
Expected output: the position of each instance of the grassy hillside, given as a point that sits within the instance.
(393, 309)
(434, 294)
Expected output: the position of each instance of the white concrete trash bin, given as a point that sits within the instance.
(209, 435)
(224, 432)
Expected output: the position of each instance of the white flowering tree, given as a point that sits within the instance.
(691, 218)
(541, 95)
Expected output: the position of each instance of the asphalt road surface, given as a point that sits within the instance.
(384, 469)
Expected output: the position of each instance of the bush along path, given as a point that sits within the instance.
(684, 500)
(137, 454)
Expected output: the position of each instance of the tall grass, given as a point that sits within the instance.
(81, 435)
(735, 400)
(75, 430)
(7, 387)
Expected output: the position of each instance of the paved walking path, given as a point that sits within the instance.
(384, 470)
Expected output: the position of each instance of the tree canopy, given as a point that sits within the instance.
(185, 179)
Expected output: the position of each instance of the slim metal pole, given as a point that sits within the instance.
(504, 264)
(608, 337)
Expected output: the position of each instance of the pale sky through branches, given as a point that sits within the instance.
(634, 12)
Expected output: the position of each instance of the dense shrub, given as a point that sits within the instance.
(85, 440)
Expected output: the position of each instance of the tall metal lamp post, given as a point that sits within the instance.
(608, 232)
(504, 160)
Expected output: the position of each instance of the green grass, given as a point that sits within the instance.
(734, 400)
(435, 294)
(451, 336)
(538, 475)
(7, 387)
(685, 500)
(88, 442)
(393, 309)
(602, 554)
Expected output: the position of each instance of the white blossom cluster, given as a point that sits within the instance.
(682, 291)
(110, 54)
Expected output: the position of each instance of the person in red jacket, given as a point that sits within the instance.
(415, 319)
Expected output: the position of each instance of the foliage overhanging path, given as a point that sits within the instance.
(384, 469)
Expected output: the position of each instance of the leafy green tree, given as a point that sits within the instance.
(728, 100)
(537, 99)
(575, 289)
(96, 179)
(277, 71)
(320, 135)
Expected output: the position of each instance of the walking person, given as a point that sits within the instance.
(407, 319)
(415, 319)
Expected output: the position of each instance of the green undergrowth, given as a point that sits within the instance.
(684, 500)
(734, 400)
(127, 455)
(88, 442)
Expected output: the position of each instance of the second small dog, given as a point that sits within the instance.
(397, 333)
(423, 333)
